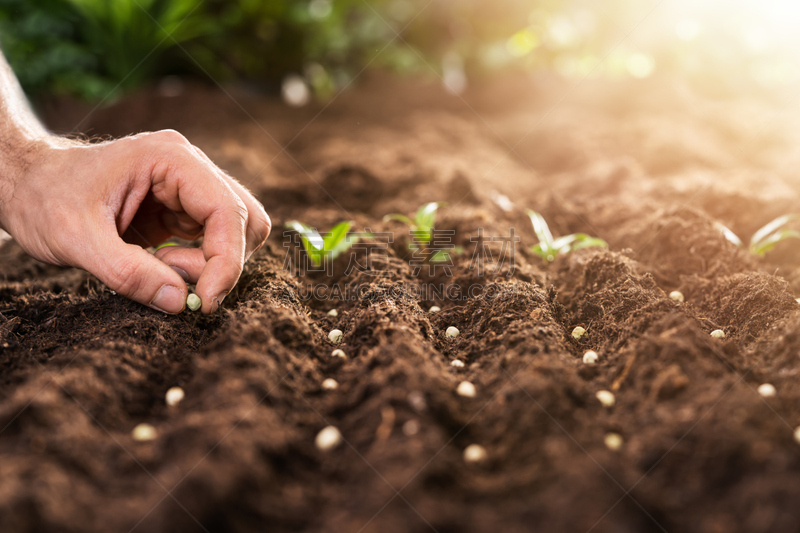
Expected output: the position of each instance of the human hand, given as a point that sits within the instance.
(95, 206)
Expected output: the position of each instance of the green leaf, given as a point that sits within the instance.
(426, 215)
(546, 255)
(399, 218)
(336, 241)
(764, 233)
(542, 231)
(311, 239)
(583, 240)
(420, 236)
(728, 234)
(768, 243)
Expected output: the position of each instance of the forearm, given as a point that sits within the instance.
(22, 136)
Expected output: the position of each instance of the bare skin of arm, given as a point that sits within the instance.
(96, 206)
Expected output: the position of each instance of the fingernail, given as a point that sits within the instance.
(181, 272)
(216, 302)
(169, 299)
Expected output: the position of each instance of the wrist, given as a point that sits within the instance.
(18, 158)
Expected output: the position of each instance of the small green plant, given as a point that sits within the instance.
(549, 248)
(422, 225)
(767, 237)
(332, 245)
(421, 228)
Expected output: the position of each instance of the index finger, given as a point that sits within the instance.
(182, 181)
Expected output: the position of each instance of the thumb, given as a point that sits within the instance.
(131, 271)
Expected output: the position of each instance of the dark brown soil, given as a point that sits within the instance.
(643, 166)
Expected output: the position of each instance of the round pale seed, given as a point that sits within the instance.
(194, 302)
(677, 296)
(466, 389)
(144, 432)
(328, 438)
(578, 332)
(452, 332)
(174, 396)
(475, 453)
(718, 334)
(613, 441)
(335, 336)
(590, 357)
(767, 390)
(606, 398)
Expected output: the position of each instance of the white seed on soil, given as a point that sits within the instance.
(434, 309)
(338, 353)
(144, 432)
(606, 398)
(174, 396)
(335, 336)
(328, 439)
(466, 389)
(590, 357)
(797, 300)
(797, 434)
(676, 295)
(578, 332)
(452, 332)
(330, 384)
(194, 302)
(718, 334)
(333, 312)
(475, 453)
(417, 400)
(613, 441)
(767, 390)
(457, 363)
(411, 428)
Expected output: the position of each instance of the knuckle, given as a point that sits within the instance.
(262, 225)
(126, 277)
(170, 136)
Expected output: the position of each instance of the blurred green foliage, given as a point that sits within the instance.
(98, 49)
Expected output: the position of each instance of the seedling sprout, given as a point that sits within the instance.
(421, 228)
(549, 248)
(767, 237)
(332, 245)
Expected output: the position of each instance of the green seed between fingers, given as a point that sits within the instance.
(194, 302)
